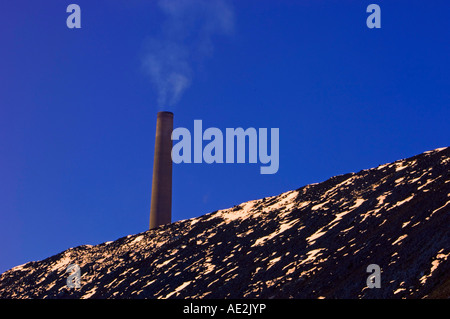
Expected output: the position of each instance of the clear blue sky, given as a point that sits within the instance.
(78, 109)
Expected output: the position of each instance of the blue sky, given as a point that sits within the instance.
(78, 107)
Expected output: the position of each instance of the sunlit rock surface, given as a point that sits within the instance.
(313, 242)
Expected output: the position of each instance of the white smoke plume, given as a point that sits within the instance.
(186, 37)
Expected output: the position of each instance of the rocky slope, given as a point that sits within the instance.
(313, 242)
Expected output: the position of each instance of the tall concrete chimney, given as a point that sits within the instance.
(161, 205)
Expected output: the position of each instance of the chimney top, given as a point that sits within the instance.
(165, 114)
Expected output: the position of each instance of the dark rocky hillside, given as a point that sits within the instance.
(313, 242)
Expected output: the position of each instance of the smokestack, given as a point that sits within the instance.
(161, 205)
